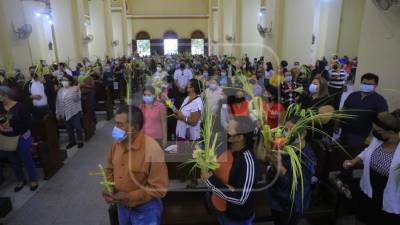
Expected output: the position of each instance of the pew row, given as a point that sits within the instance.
(47, 145)
(104, 100)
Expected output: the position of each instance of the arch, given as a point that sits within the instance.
(197, 34)
(143, 35)
(170, 34)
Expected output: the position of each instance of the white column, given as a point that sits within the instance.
(14, 51)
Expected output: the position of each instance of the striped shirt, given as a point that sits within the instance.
(338, 79)
(68, 102)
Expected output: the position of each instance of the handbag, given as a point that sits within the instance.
(8, 144)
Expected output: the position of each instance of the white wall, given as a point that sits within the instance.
(65, 31)
(129, 33)
(41, 32)
(379, 50)
(97, 48)
(298, 30)
(228, 7)
(329, 26)
(251, 39)
(117, 33)
(350, 28)
(17, 51)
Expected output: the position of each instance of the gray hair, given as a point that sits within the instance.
(5, 91)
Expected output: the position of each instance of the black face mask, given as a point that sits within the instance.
(239, 100)
(378, 135)
(182, 66)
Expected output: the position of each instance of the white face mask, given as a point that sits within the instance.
(65, 83)
(158, 69)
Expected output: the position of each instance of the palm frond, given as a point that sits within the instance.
(108, 185)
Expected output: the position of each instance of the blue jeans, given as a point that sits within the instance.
(223, 220)
(147, 214)
(74, 123)
(23, 154)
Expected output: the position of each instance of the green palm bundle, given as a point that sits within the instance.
(277, 141)
(108, 185)
(9, 70)
(204, 154)
(306, 70)
(128, 79)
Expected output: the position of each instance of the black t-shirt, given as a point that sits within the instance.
(365, 110)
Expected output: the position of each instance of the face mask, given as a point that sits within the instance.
(367, 88)
(288, 78)
(240, 100)
(158, 69)
(223, 74)
(213, 87)
(148, 99)
(313, 88)
(65, 83)
(205, 74)
(118, 134)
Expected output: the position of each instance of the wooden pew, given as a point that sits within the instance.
(103, 100)
(50, 155)
(88, 124)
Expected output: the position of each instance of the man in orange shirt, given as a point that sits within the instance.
(137, 167)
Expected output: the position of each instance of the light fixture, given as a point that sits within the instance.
(38, 14)
(47, 17)
(51, 22)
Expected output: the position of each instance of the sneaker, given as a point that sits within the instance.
(19, 187)
(70, 145)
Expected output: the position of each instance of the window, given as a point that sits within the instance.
(143, 47)
(197, 46)
(170, 46)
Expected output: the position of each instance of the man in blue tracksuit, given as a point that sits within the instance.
(236, 190)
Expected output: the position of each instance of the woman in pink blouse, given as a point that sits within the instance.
(155, 123)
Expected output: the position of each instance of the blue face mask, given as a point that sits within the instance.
(205, 74)
(148, 99)
(313, 88)
(288, 78)
(367, 88)
(118, 134)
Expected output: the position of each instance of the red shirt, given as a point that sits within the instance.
(241, 109)
(273, 111)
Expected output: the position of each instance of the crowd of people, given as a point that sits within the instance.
(176, 90)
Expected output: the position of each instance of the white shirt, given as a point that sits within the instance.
(181, 127)
(269, 74)
(183, 77)
(159, 75)
(391, 194)
(213, 98)
(37, 88)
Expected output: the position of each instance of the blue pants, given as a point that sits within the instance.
(223, 220)
(146, 214)
(23, 154)
(74, 123)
